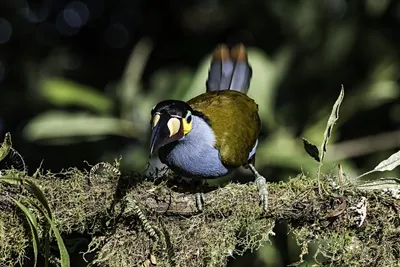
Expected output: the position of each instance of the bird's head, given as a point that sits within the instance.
(171, 120)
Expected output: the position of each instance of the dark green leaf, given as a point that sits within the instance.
(37, 192)
(311, 149)
(64, 256)
(11, 178)
(5, 146)
(33, 226)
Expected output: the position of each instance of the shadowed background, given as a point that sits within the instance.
(78, 80)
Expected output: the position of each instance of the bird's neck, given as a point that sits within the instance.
(201, 133)
(195, 154)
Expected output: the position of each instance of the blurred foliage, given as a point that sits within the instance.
(78, 80)
(33, 206)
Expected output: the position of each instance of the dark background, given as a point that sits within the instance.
(78, 80)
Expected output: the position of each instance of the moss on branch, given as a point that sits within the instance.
(174, 234)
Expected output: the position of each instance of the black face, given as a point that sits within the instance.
(172, 107)
(171, 120)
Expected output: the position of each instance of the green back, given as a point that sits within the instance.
(234, 120)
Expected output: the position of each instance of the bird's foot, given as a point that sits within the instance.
(260, 181)
(262, 191)
(196, 186)
(199, 201)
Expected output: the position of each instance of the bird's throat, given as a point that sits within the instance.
(195, 154)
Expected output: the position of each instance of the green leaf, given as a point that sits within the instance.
(33, 226)
(389, 164)
(129, 90)
(45, 209)
(331, 122)
(381, 183)
(64, 256)
(311, 149)
(265, 80)
(38, 194)
(33, 189)
(46, 234)
(46, 246)
(11, 178)
(55, 125)
(5, 146)
(61, 92)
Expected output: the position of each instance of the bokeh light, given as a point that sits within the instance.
(5, 31)
(38, 15)
(336, 8)
(74, 16)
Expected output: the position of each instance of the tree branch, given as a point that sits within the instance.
(134, 221)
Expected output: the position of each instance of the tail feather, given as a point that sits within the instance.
(220, 69)
(229, 70)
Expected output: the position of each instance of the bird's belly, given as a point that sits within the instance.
(193, 161)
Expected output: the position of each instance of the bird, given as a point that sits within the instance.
(215, 132)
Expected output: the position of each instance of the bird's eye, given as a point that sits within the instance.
(188, 117)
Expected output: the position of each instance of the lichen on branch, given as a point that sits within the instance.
(105, 207)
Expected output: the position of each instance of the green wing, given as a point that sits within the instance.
(234, 120)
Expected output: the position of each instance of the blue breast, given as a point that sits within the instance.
(195, 155)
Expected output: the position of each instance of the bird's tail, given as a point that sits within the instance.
(229, 70)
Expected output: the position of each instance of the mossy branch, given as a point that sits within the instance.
(353, 226)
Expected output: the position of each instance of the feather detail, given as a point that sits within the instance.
(234, 120)
(229, 70)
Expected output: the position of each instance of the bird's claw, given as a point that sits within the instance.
(262, 191)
